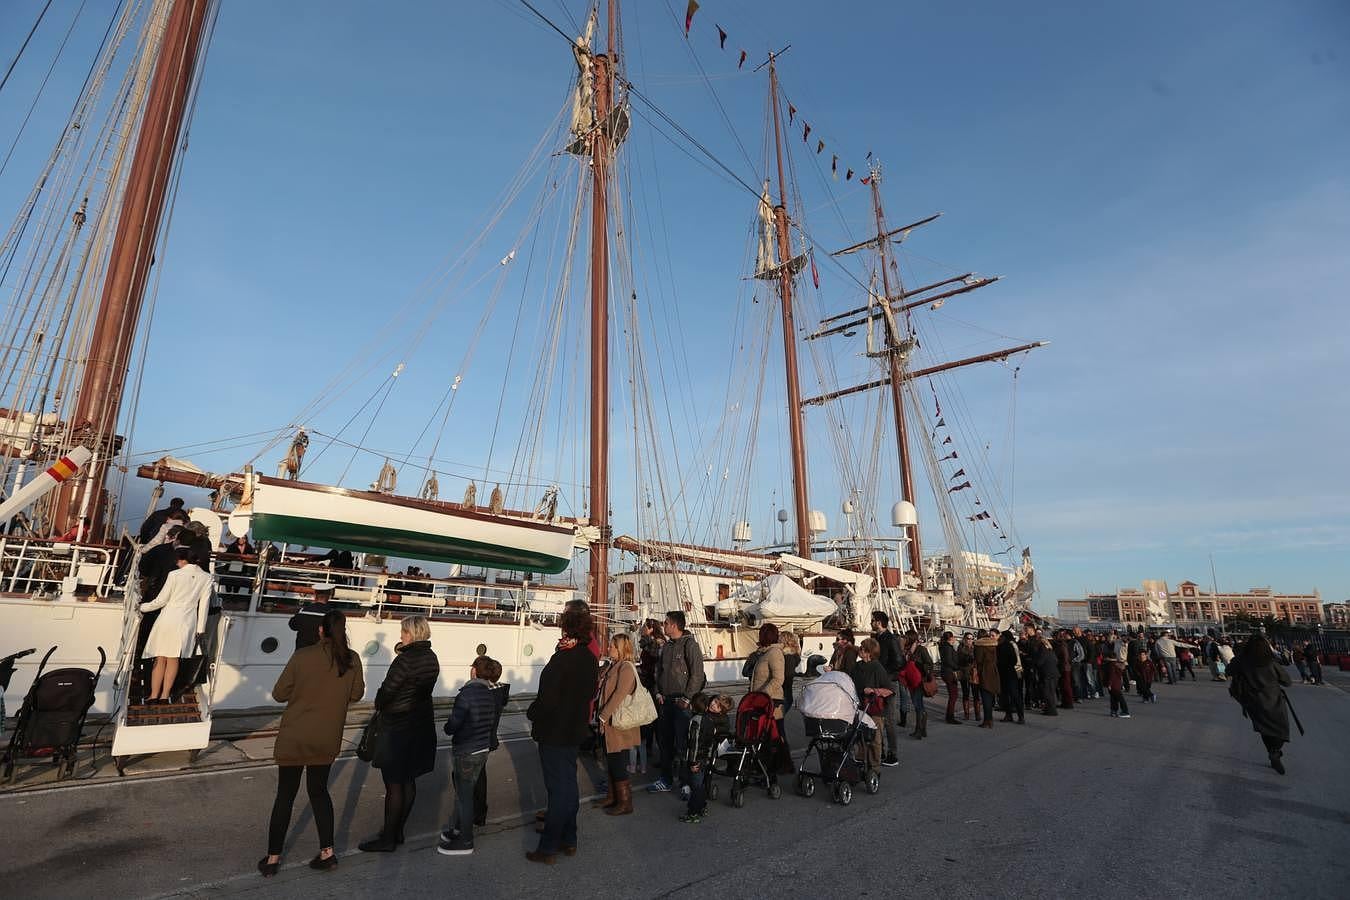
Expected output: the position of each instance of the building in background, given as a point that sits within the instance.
(1189, 606)
(1336, 615)
(1073, 612)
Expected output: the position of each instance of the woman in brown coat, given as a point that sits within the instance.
(619, 682)
(985, 673)
(317, 685)
(770, 667)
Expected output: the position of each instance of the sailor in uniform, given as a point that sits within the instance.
(305, 623)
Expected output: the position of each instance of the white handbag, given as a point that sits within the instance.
(636, 710)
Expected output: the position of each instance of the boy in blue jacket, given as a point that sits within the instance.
(471, 727)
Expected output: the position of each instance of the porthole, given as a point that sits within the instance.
(529, 649)
(269, 645)
(371, 648)
(482, 650)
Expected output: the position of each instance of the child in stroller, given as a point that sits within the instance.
(757, 751)
(839, 732)
(707, 729)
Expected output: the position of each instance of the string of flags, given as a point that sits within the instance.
(983, 515)
(690, 10)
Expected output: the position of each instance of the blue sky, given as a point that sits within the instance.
(1163, 186)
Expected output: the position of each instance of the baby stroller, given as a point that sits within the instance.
(748, 763)
(838, 729)
(52, 717)
(7, 673)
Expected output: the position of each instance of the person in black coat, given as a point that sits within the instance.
(1257, 681)
(1047, 667)
(305, 622)
(559, 723)
(155, 521)
(1010, 678)
(406, 748)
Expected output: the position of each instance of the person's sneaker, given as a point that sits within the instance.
(691, 818)
(455, 847)
(684, 793)
(449, 834)
(1115, 715)
(890, 760)
(658, 786)
(1124, 715)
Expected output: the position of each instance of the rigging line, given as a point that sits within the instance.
(14, 62)
(169, 451)
(45, 79)
(346, 424)
(711, 90)
(393, 379)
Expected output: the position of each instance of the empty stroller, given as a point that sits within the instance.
(52, 716)
(749, 762)
(838, 729)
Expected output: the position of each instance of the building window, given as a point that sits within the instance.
(626, 590)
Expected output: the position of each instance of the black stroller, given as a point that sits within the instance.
(837, 734)
(52, 717)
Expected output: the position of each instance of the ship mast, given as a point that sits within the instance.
(796, 434)
(99, 402)
(602, 151)
(895, 363)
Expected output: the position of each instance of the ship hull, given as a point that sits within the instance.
(313, 515)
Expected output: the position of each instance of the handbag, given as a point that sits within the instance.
(930, 686)
(636, 710)
(370, 739)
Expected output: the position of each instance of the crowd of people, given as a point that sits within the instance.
(635, 702)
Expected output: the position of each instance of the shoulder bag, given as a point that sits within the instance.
(370, 739)
(636, 709)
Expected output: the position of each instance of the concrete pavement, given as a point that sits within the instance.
(1178, 794)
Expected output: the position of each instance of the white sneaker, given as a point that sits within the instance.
(684, 793)
(1124, 715)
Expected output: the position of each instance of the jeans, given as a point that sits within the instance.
(698, 794)
(559, 765)
(901, 696)
(889, 717)
(1170, 665)
(480, 794)
(464, 775)
(917, 696)
(1118, 703)
(950, 679)
(288, 785)
(672, 732)
(1094, 686)
(987, 701)
(1080, 685)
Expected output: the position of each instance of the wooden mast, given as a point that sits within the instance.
(896, 364)
(796, 434)
(99, 402)
(601, 153)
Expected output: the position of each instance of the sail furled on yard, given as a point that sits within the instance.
(766, 259)
(583, 98)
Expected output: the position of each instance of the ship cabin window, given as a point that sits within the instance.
(646, 590)
(627, 593)
(723, 591)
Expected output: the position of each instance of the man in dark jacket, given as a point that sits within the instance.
(559, 724)
(679, 676)
(1258, 683)
(897, 704)
(305, 622)
(155, 521)
(1047, 667)
(472, 727)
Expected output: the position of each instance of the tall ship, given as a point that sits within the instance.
(548, 311)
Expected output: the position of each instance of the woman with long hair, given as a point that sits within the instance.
(317, 685)
(406, 748)
(619, 682)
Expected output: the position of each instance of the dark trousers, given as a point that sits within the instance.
(480, 796)
(987, 698)
(698, 792)
(672, 733)
(1080, 681)
(467, 768)
(1118, 703)
(1012, 697)
(950, 679)
(1048, 696)
(559, 765)
(288, 785)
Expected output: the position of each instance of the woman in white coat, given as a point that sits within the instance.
(183, 604)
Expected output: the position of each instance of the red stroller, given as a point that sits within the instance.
(753, 761)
